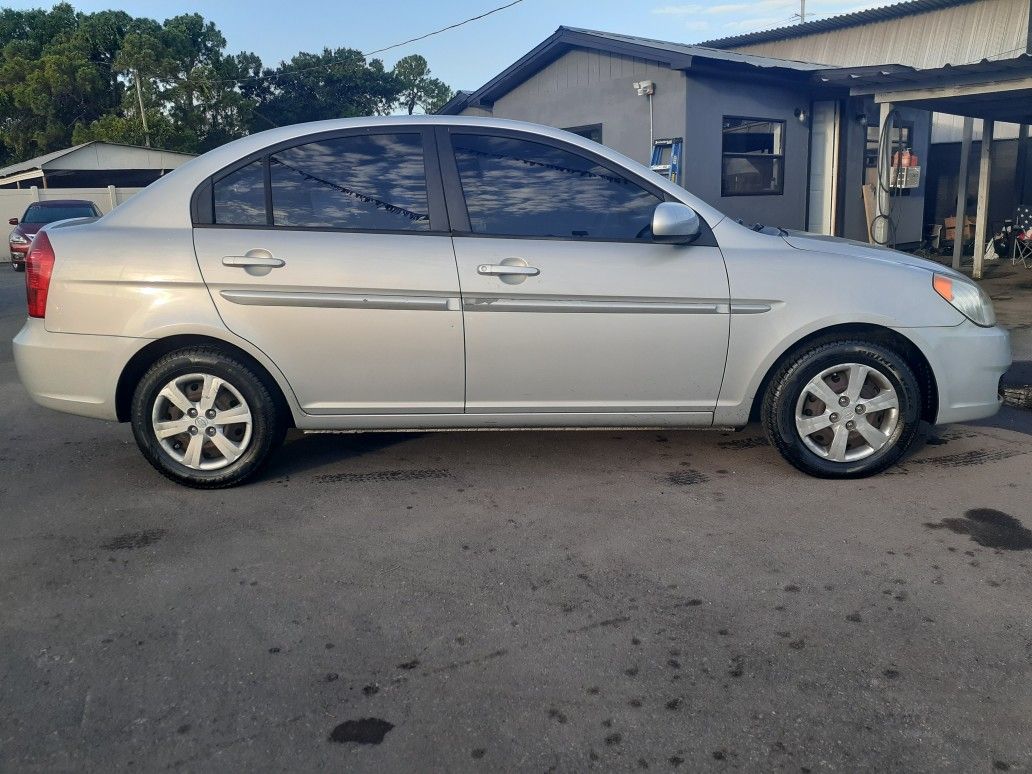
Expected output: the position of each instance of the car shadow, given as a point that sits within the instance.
(304, 451)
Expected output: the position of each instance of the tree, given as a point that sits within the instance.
(337, 83)
(70, 77)
(418, 89)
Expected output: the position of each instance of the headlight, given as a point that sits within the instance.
(18, 239)
(967, 298)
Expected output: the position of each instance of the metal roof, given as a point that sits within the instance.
(79, 157)
(997, 89)
(881, 13)
(678, 56)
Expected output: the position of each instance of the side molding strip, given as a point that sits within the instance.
(489, 304)
(338, 300)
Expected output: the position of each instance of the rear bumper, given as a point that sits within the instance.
(72, 372)
(968, 362)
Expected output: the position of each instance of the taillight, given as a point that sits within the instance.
(39, 265)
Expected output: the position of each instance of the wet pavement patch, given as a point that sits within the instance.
(989, 528)
(687, 477)
(381, 475)
(364, 731)
(132, 540)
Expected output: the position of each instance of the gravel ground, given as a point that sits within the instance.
(512, 601)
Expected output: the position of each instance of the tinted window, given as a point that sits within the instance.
(45, 214)
(363, 181)
(522, 188)
(240, 196)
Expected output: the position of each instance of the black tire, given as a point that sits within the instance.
(267, 428)
(788, 384)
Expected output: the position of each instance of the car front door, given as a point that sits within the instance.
(569, 307)
(331, 254)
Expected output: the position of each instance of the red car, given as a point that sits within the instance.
(39, 214)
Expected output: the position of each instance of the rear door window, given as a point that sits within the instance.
(240, 197)
(373, 182)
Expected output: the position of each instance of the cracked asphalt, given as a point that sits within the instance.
(511, 601)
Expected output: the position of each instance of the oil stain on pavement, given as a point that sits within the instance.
(131, 540)
(989, 528)
(364, 731)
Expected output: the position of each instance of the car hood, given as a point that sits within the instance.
(819, 243)
(27, 229)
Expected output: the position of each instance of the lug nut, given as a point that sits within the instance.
(850, 425)
(191, 413)
(843, 401)
(834, 417)
(193, 429)
(210, 413)
(210, 431)
(860, 408)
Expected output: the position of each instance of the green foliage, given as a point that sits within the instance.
(68, 77)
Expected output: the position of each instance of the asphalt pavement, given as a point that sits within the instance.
(526, 601)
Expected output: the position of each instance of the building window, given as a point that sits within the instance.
(593, 132)
(753, 157)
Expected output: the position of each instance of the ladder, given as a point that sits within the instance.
(666, 158)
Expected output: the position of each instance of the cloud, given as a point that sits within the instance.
(696, 25)
(676, 10)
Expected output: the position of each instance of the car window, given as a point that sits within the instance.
(375, 182)
(37, 214)
(518, 187)
(240, 196)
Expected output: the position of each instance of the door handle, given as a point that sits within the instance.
(249, 260)
(500, 270)
(257, 262)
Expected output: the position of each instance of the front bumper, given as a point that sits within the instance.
(72, 372)
(967, 361)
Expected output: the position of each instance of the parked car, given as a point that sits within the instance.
(37, 215)
(446, 272)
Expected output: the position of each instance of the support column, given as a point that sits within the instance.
(1022, 193)
(962, 179)
(985, 167)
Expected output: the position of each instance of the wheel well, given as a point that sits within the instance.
(146, 357)
(873, 333)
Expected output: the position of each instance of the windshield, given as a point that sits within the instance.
(36, 214)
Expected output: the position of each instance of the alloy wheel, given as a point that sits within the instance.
(201, 421)
(847, 412)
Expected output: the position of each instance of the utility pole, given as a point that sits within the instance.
(143, 113)
(802, 11)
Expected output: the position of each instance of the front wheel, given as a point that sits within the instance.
(205, 419)
(843, 409)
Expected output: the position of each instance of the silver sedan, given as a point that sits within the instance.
(439, 273)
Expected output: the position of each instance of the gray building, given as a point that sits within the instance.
(768, 137)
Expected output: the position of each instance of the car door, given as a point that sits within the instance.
(331, 254)
(569, 307)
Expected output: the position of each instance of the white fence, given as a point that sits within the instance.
(13, 201)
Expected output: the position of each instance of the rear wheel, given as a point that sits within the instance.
(204, 419)
(843, 409)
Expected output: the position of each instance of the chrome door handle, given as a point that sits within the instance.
(499, 270)
(256, 262)
(245, 261)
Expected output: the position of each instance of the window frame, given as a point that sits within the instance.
(723, 155)
(458, 214)
(202, 201)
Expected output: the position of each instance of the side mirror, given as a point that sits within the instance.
(13, 221)
(674, 223)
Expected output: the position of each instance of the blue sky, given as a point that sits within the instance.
(466, 57)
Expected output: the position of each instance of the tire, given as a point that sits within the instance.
(208, 448)
(873, 439)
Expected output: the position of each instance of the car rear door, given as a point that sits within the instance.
(569, 306)
(331, 254)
